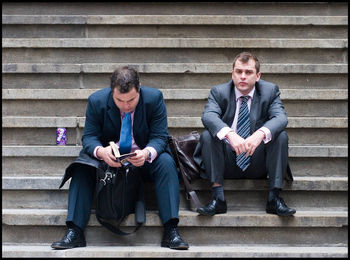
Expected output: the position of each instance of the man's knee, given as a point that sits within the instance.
(84, 173)
(282, 138)
(206, 137)
(164, 164)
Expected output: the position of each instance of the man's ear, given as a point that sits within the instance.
(258, 75)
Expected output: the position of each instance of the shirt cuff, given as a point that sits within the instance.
(153, 153)
(223, 132)
(95, 152)
(267, 133)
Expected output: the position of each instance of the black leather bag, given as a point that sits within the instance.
(119, 192)
(182, 148)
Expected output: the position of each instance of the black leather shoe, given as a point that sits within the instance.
(279, 207)
(72, 238)
(215, 206)
(172, 239)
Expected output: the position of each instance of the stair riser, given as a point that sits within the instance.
(139, 8)
(47, 136)
(193, 108)
(55, 166)
(170, 80)
(164, 55)
(155, 31)
(193, 235)
(236, 200)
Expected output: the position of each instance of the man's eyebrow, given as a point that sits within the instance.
(244, 69)
(125, 100)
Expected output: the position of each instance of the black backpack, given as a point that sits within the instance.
(119, 192)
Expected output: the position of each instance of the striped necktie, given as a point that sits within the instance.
(125, 134)
(243, 130)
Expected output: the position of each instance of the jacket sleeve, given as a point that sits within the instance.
(92, 129)
(158, 125)
(277, 117)
(212, 114)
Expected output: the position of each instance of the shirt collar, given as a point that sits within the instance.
(239, 94)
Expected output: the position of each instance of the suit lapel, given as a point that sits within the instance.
(114, 114)
(254, 109)
(138, 117)
(232, 106)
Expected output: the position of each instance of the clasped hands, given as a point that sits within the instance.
(248, 145)
(105, 153)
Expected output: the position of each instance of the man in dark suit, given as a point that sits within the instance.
(107, 112)
(244, 137)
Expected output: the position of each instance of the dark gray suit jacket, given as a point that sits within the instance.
(266, 110)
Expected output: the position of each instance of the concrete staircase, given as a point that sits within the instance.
(55, 55)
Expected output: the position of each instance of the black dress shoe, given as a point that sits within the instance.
(215, 206)
(279, 207)
(73, 238)
(172, 239)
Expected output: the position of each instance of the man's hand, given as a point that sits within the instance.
(253, 141)
(237, 143)
(105, 153)
(140, 158)
(248, 145)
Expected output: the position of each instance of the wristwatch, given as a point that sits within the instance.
(149, 155)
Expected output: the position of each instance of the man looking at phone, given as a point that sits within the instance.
(134, 117)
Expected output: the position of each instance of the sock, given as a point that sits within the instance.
(274, 193)
(218, 193)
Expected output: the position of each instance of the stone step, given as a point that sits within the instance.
(192, 109)
(173, 122)
(54, 43)
(295, 31)
(299, 184)
(327, 151)
(170, 68)
(175, 20)
(44, 250)
(171, 94)
(184, 8)
(246, 200)
(182, 81)
(39, 165)
(172, 55)
(319, 227)
(304, 193)
(312, 218)
(42, 130)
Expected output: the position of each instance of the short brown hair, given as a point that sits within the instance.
(245, 57)
(124, 79)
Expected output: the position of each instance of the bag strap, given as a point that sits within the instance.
(139, 212)
(116, 229)
(188, 187)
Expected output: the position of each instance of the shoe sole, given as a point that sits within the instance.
(281, 215)
(203, 213)
(172, 247)
(68, 247)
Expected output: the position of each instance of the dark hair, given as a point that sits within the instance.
(125, 78)
(245, 57)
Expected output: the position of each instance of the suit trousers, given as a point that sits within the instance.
(162, 171)
(269, 159)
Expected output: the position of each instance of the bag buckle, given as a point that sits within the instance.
(108, 174)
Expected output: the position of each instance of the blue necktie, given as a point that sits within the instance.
(243, 130)
(125, 134)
